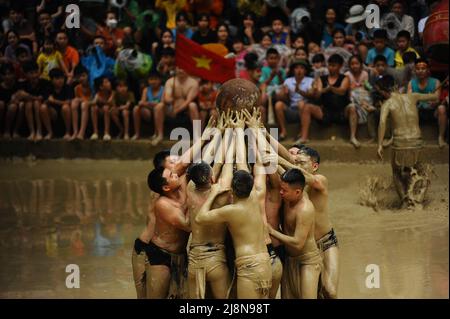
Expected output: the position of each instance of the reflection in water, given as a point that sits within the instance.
(55, 213)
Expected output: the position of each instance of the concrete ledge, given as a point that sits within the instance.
(330, 150)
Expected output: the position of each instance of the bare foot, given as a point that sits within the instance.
(107, 137)
(15, 135)
(126, 137)
(157, 140)
(31, 137)
(49, 136)
(80, 137)
(94, 136)
(135, 137)
(371, 141)
(301, 141)
(441, 142)
(7, 136)
(355, 142)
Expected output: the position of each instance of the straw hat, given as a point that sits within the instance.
(357, 14)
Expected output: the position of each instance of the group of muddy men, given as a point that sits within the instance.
(226, 228)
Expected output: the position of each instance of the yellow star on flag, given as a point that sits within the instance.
(202, 62)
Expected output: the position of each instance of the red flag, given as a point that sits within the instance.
(198, 61)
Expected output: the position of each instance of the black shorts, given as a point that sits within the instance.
(427, 115)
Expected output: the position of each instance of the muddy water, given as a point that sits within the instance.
(55, 213)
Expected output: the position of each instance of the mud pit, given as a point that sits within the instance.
(59, 212)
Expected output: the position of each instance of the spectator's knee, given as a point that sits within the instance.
(84, 106)
(44, 107)
(12, 107)
(279, 106)
(441, 110)
(66, 108)
(125, 113)
(105, 108)
(193, 106)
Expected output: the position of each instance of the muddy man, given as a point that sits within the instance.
(411, 182)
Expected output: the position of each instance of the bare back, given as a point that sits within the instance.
(149, 229)
(203, 234)
(404, 114)
(319, 198)
(272, 204)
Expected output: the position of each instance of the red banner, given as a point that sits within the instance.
(198, 61)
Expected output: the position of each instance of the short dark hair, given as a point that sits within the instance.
(80, 69)
(357, 57)
(98, 82)
(30, 66)
(242, 183)
(251, 61)
(422, 60)
(202, 16)
(294, 177)
(338, 30)
(335, 59)
(154, 74)
(404, 34)
(386, 83)
(380, 34)
(379, 58)
(156, 181)
(199, 173)
(409, 57)
(318, 58)
(160, 157)
(181, 14)
(272, 51)
(56, 73)
(311, 153)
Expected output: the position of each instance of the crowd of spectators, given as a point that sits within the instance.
(310, 59)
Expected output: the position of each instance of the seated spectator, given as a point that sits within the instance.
(331, 24)
(359, 97)
(401, 76)
(70, 55)
(124, 102)
(249, 31)
(406, 21)
(50, 59)
(239, 51)
(9, 102)
(299, 42)
(151, 100)
(293, 95)
(22, 57)
(59, 100)
(338, 47)
(103, 103)
(182, 27)
(403, 46)
(23, 28)
(332, 92)
(319, 65)
(207, 102)
(278, 34)
(261, 48)
(379, 43)
(223, 36)
(204, 34)
(54, 8)
(83, 99)
(13, 44)
(212, 7)
(112, 34)
(166, 41)
(362, 50)
(424, 83)
(180, 94)
(33, 93)
(166, 65)
(45, 28)
(171, 9)
(356, 29)
(271, 80)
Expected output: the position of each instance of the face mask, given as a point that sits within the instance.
(112, 23)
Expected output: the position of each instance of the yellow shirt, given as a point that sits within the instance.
(171, 7)
(47, 62)
(399, 59)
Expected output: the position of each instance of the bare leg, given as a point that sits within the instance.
(45, 117)
(309, 111)
(19, 119)
(84, 119)
(399, 183)
(158, 281)
(310, 281)
(138, 264)
(114, 111)
(263, 111)
(159, 119)
(442, 121)
(74, 107)
(30, 119)
(279, 112)
(10, 115)
(126, 123)
(277, 271)
(107, 121)
(66, 112)
(137, 122)
(37, 117)
(330, 273)
(193, 111)
(350, 113)
(94, 118)
(246, 289)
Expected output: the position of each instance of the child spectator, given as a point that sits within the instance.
(183, 28)
(23, 56)
(249, 32)
(166, 41)
(299, 42)
(9, 102)
(403, 46)
(124, 101)
(83, 98)
(50, 59)
(424, 83)
(293, 95)
(332, 90)
(380, 48)
(59, 100)
(261, 48)
(240, 51)
(166, 65)
(331, 24)
(278, 35)
(112, 34)
(13, 43)
(103, 104)
(319, 66)
(151, 100)
(206, 101)
(223, 36)
(70, 55)
(359, 96)
(33, 93)
(204, 34)
(45, 28)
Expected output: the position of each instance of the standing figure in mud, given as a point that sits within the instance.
(410, 177)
